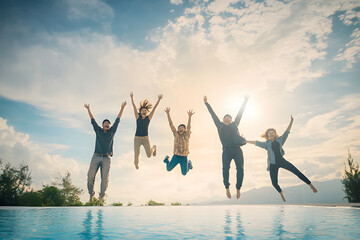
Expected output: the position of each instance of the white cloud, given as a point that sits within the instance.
(351, 53)
(89, 9)
(176, 2)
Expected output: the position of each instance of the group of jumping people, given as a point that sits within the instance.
(228, 132)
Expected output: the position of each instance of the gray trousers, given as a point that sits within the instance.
(102, 162)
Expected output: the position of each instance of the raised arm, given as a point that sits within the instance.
(157, 103)
(190, 113)
(212, 113)
(252, 142)
(134, 106)
(290, 124)
(87, 106)
(173, 129)
(241, 111)
(122, 109)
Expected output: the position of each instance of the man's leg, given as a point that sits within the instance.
(105, 169)
(137, 145)
(226, 159)
(239, 162)
(184, 164)
(94, 166)
(174, 161)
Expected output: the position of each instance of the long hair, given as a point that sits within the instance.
(265, 134)
(145, 104)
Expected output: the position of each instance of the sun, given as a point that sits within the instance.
(251, 109)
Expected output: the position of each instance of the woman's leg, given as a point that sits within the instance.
(137, 145)
(226, 159)
(290, 167)
(274, 171)
(239, 162)
(149, 150)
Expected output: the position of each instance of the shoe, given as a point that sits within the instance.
(166, 160)
(154, 152)
(190, 165)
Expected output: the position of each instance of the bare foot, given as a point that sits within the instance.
(228, 194)
(101, 200)
(282, 196)
(91, 198)
(154, 152)
(313, 188)
(136, 164)
(238, 194)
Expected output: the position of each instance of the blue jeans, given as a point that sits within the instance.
(175, 160)
(229, 154)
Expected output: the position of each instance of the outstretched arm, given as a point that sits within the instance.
(241, 111)
(134, 106)
(157, 104)
(290, 124)
(121, 110)
(190, 113)
(252, 142)
(173, 129)
(87, 106)
(212, 113)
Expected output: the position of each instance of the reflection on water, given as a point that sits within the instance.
(278, 227)
(91, 231)
(187, 222)
(239, 233)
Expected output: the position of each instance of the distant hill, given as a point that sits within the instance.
(328, 192)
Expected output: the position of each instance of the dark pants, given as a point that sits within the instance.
(175, 160)
(229, 154)
(282, 163)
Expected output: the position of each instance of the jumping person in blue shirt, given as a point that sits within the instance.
(276, 159)
(103, 152)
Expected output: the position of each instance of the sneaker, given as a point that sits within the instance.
(190, 165)
(166, 160)
(154, 152)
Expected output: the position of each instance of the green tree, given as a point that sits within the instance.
(52, 196)
(153, 203)
(31, 198)
(351, 180)
(117, 204)
(95, 202)
(13, 182)
(70, 192)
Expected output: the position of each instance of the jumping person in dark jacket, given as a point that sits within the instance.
(103, 152)
(275, 159)
(143, 117)
(231, 142)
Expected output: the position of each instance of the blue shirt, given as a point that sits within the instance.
(268, 147)
(104, 140)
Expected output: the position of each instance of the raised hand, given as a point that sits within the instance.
(292, 118)
(160, 97)
(205, 99)
(246, 97)
(131, 95)
(191, 112)
(123, 104)
(167, 110)
(87, 106)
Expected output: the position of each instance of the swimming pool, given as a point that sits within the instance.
(181, 222)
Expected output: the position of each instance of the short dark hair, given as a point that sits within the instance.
(228, 115)
(182, 125)
(106, 120)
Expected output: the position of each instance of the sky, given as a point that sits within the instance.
(292, 57)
